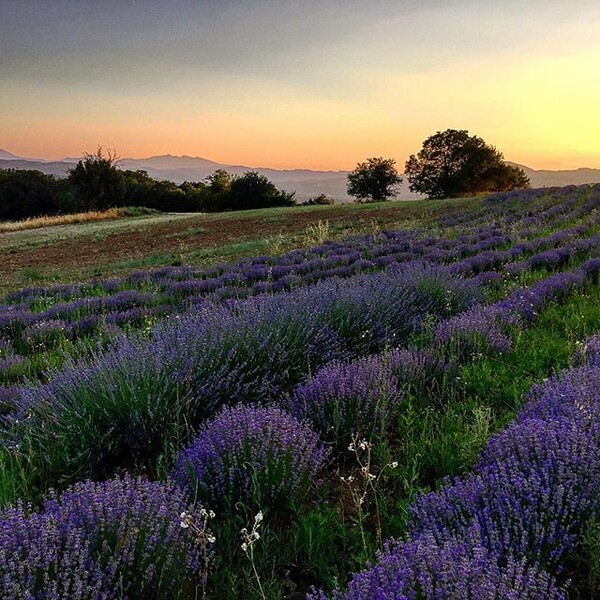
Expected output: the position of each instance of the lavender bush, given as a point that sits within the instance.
(452, 570)
(119, 409)
(255, 457)
(118, 539)
(533, 491)
(361, 398)
(346, 400)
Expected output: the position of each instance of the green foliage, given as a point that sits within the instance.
(143, 191)
(137, 211)
(253, 190)
(591, 545)
(452, 163)
(25, 194)
(97, 181)
(374, 180)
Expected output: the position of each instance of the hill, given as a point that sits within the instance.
(306, 183)
(437, 373)
(4, 155)
(548, 178)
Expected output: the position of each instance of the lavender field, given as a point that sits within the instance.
(407, 414)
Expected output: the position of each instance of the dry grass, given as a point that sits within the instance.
(38, 222)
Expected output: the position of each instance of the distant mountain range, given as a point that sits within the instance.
(305, 182)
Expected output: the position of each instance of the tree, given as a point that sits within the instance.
(25, 194)
(219, 182)
(97, 181)
(374, 180)
(452, 163)
(253, 190)
(240, 192)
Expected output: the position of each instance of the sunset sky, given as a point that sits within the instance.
(300, 83)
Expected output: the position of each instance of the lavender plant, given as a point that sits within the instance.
(344, 400)
(255, 457)
(118, 539)
(534, 489)
(452, 570)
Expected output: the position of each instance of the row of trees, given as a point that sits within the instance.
(26, 194)
(96, 183)
(451, 163)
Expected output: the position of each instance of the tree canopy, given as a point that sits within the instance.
(374, 180)
(97, 181)
(27, 193)
(253, 190)
(453, 163)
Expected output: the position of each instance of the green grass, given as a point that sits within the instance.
(343, 221)
(440, 432)
(97, 230)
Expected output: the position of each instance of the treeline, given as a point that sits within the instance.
(96, 183)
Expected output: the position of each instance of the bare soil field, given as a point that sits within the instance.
(73, 252)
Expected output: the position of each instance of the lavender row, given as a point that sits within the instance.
(343, 401)
(264, 273)
(509, 529)
(32, 333)
(255, 349)
(118, 407)
(118, 539)
(483, 326)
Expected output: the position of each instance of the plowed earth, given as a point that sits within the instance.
(78, 253)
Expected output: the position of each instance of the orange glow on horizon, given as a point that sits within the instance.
(539, 111)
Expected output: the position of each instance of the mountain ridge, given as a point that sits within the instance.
(306, 183)
(6, 155)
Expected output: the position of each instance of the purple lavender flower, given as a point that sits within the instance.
(549, 259)
(343, 400)
(120, 538)
(14, 319)
(591, 351)
(572, 395)
(256, 456)
(45, 333)
(86, 325)
(591, 268)
(127, 316)
(475, 330)
(451, 570)
(9, 399)
(536, 486)
(416, 372)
